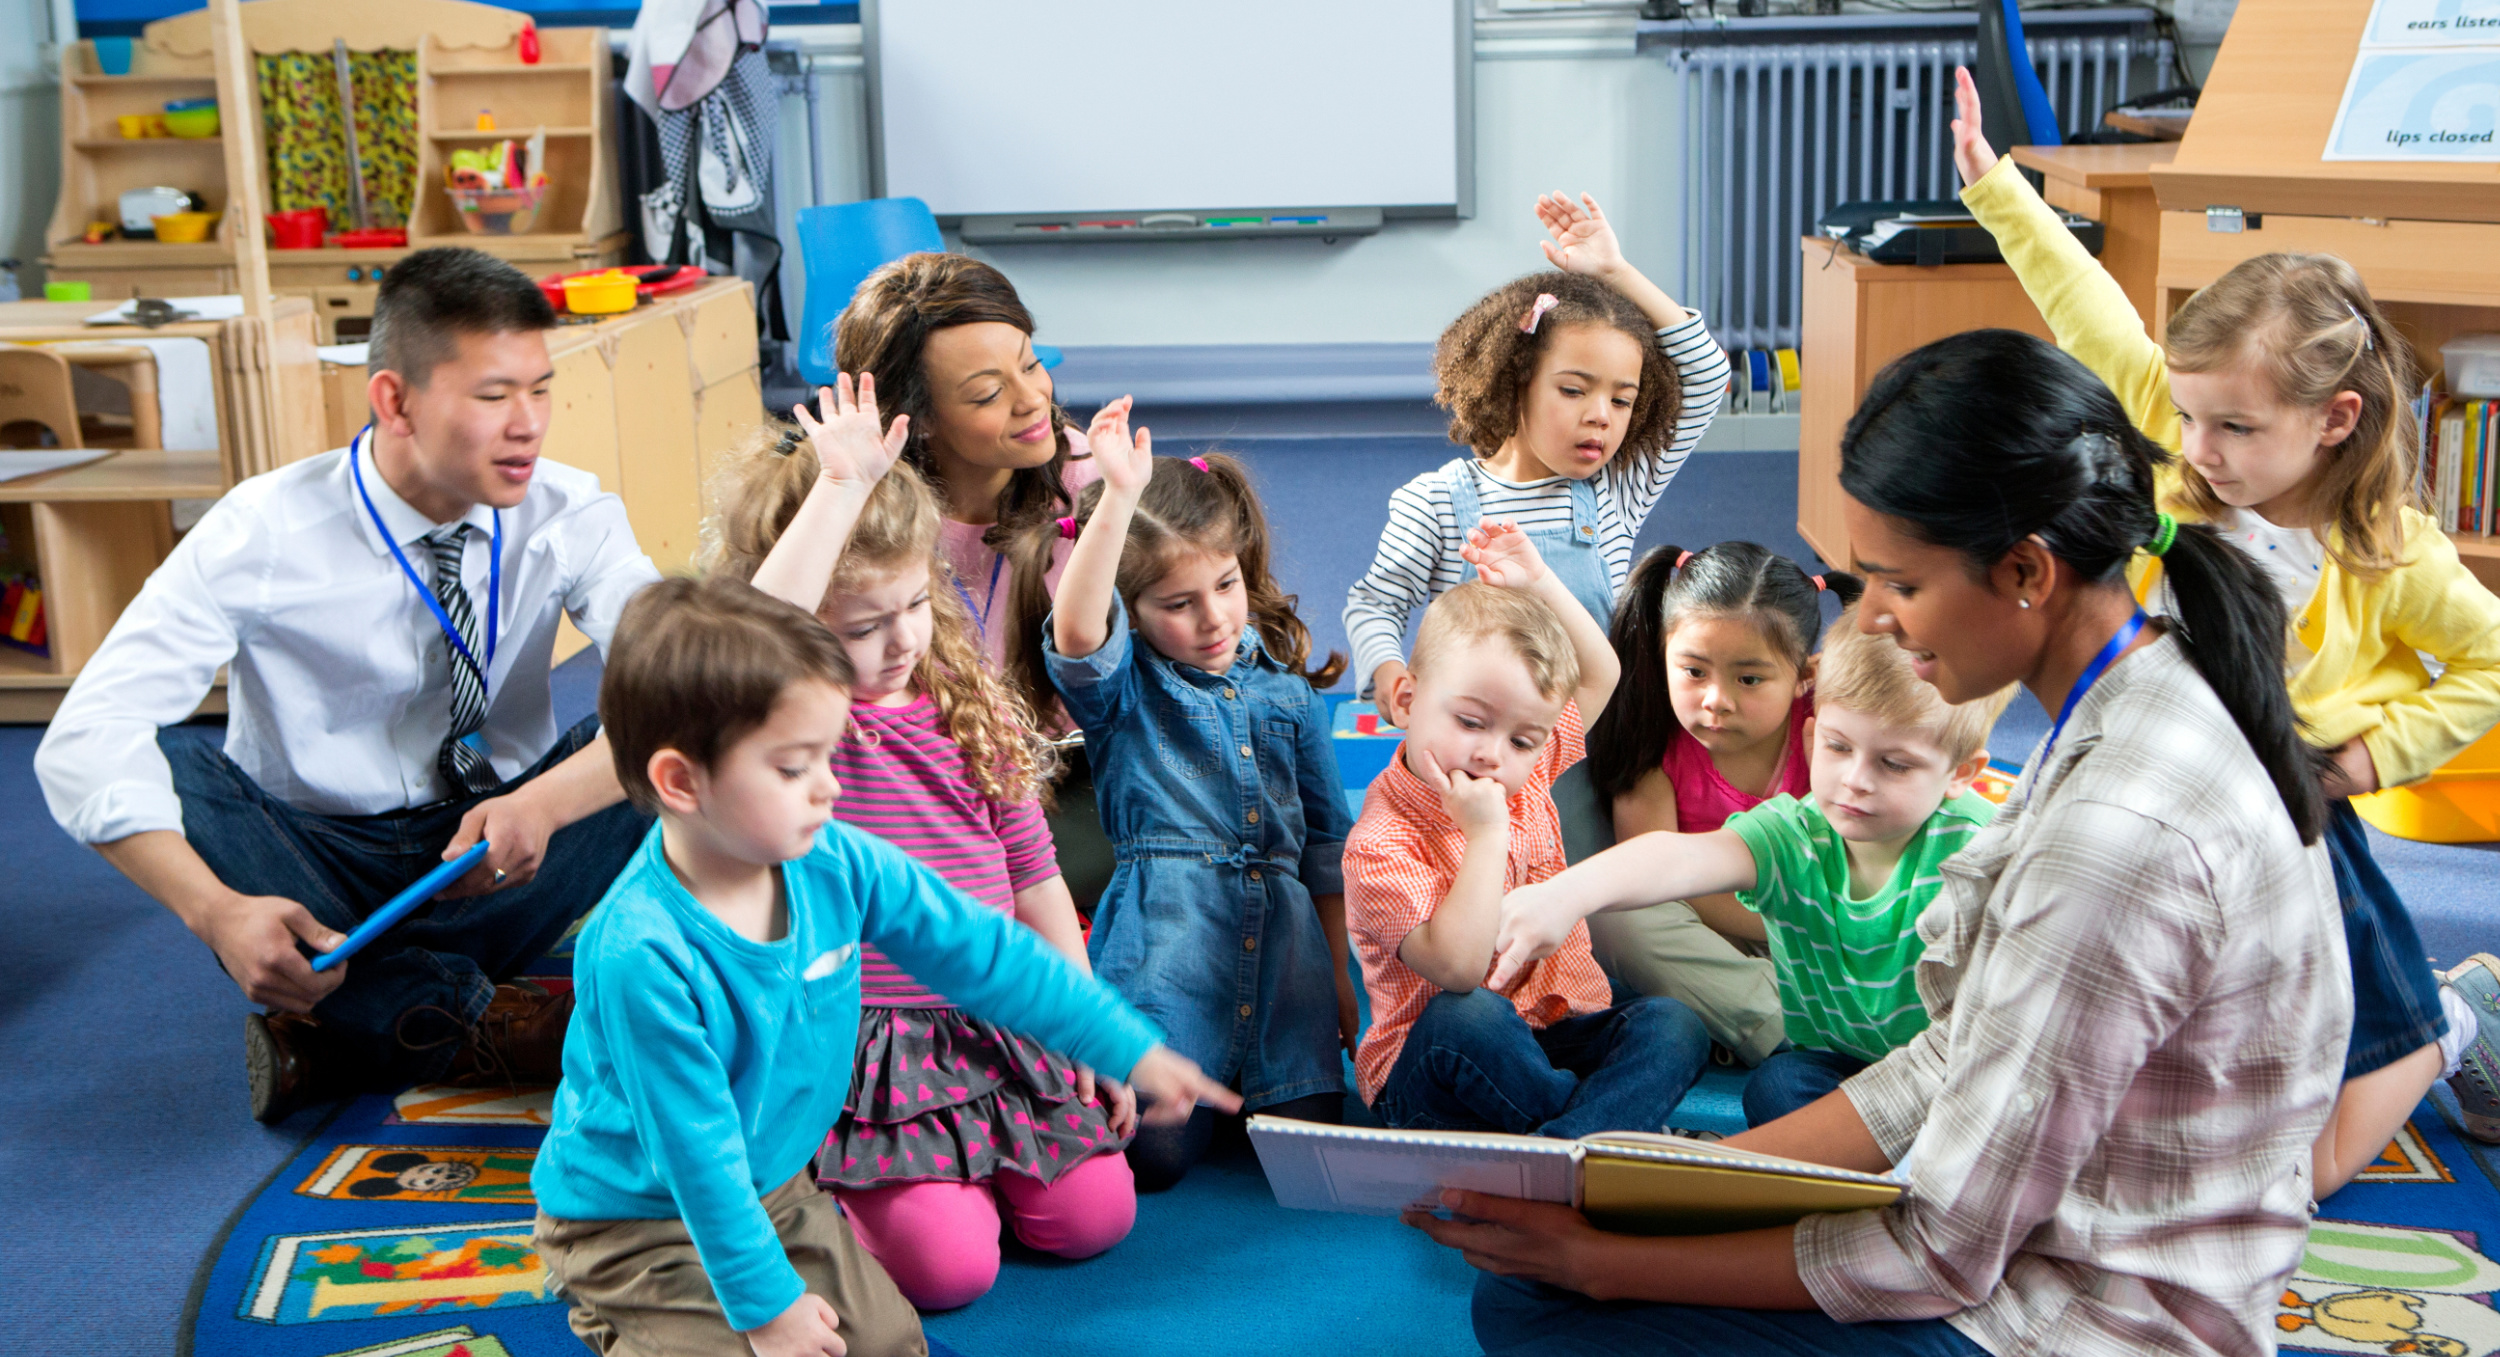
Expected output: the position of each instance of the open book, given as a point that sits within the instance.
(1630, 1181)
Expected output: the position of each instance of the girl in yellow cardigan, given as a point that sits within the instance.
(2285, 390)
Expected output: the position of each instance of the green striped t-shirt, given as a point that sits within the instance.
(1845, 966)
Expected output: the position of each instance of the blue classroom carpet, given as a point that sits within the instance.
(127, 1146)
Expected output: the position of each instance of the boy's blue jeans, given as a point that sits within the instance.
(1792, 1077)
(398, 1016)
(1472, 1063)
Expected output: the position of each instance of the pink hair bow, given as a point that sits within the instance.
(1067, 527)
(1198, 462)
(1545, 301)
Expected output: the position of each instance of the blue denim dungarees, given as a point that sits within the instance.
(1573, 553)
(1221, 798)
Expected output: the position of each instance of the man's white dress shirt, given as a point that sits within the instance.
(338, 689)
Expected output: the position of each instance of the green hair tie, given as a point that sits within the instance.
(2164, 535)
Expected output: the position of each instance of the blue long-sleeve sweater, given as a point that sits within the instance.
(702, 1069)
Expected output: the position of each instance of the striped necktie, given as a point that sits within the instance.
(463, 758)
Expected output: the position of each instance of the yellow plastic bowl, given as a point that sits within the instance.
(600, 294)
(192, 123)
(184, 228)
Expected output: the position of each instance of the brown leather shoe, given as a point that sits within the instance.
(282, 1063)
(519, 1039)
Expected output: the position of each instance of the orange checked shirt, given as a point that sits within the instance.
(1399, 863)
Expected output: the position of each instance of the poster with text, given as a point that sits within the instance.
(2419, 105)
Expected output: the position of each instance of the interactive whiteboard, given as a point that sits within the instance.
(1079, 106)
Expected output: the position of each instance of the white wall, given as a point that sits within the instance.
(30, 133)
(1583, 113)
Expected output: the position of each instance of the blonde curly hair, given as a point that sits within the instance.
(759, 489)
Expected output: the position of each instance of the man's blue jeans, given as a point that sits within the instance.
(1529, 1319)
(1472, 1063)
(398, 1016)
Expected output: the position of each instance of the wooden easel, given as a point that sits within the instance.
(2425, 237)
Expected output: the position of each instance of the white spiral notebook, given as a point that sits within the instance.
(1633, 1181)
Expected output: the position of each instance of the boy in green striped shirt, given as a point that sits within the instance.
(1835, 884)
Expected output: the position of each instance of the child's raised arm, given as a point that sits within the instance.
(1584, 242)
(851, 457)
(1505, 558)
(1648, 870)
(1080, 617)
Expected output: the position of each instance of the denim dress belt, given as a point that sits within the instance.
(1206, 850)
(1572, 553)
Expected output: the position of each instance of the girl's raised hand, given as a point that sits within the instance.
(1582, 241)
(1503, 555)
(1126, 462)
(849, 448)
(1970, 145)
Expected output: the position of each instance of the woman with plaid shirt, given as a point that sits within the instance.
(2135, 976)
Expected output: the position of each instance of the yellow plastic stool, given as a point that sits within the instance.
(2458, 803)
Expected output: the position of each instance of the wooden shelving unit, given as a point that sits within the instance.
(468, 59)
(2425, 237)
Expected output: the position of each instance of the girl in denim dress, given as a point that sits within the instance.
(1225, 917)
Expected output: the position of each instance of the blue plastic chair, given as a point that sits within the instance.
(841, 245)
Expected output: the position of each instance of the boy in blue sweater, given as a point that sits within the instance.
(718, 987)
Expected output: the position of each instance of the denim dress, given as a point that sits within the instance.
(1221, 798)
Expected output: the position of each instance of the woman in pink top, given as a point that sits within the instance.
(1718, 660)
(950, 347)
(952, 1123)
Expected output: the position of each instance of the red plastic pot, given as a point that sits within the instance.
(300, 229)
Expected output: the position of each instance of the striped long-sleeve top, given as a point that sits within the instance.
(903, 780)
(1418, 559)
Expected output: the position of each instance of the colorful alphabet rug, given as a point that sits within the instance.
(401, 1229)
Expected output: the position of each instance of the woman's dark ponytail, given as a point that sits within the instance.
(1980, 440)
(2232, 623)
(1630, 736)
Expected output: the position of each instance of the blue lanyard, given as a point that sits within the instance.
(2090, 675)
(981, 611)
(494, 572)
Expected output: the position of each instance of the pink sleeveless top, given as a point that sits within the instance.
(1704, 800)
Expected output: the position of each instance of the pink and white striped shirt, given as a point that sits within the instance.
(903, 780)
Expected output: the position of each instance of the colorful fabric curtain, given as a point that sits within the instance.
(299, 98)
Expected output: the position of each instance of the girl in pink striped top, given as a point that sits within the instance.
(952, 1123)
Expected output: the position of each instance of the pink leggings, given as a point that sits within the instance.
(939, 1241)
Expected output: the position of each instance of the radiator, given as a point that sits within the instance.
(1775, 134)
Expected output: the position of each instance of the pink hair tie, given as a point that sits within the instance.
(1067, 528)
(1545, 301)
(1819, 584)
(1198, 462)
(1681, 560)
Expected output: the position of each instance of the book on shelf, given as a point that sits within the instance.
(2461, 464)
(1635, 1182)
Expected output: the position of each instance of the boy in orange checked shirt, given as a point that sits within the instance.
(1506, 674)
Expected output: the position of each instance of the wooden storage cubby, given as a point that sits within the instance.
(468, 58)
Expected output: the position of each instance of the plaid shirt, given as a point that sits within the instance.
(2140, 1000)
(1399, 863)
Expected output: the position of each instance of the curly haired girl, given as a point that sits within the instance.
(941, 760)
(1225, 917)
(1581, 393)
(950, 346)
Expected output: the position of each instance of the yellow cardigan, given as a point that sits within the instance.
(2365, 678)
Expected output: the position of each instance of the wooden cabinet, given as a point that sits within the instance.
(1860, 315)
